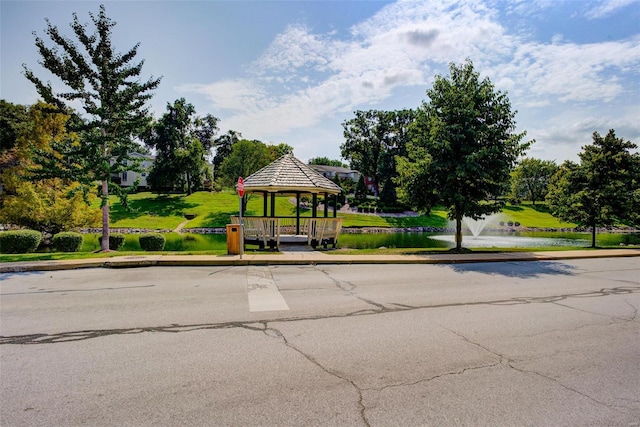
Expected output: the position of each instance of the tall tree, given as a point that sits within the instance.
(463, 148)
(13, 119)
(180, 139)
(246, 158)
(280, 150)
(602, 189)
(531, 178)
(47, 205)
(373, 139)
(223, 145)
(107, 86)
(326, 162)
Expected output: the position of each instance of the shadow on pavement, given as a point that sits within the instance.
(522, 269)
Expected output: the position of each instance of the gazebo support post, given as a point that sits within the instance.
(314, 203)
(265, 199)
(273, 205)
(297, 213)
(335, 205)
(326, 205)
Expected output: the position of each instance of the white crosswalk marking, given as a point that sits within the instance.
(263, 292)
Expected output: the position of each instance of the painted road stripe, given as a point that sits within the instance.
(263, 292)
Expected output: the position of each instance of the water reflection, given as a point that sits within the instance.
(504, 240)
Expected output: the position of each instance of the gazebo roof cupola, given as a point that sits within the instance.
(288, 174)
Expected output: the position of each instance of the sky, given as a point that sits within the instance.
(293, 71)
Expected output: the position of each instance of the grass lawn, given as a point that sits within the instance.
(166, 212)
(534, 216)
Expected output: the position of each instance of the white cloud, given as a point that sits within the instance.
(607, 7)
(570, 72)
(304, 78)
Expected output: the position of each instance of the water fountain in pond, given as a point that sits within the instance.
(479, 240)
(476, 226)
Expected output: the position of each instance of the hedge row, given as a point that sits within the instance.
(152, 241)
(24, 241)
(67, 241)
(19, 241)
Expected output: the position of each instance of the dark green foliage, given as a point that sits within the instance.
(13, 118)
(116, 241)
(602, 189)
(152, 241)
(107, 87)
(67, 241)
(373, 141)
(246, 157)
(280, 150)
(19, 241)
(463, 148)
(530, 179)
(326, 161)
(361, 190)
(181, 140)
(223, 145)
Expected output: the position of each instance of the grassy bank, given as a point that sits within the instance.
(166, 212)
(213, 210)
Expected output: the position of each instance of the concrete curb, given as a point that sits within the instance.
(306, 258)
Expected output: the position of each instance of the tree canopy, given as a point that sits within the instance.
(48, 205)
(463, 148)
(373, 140)
(106, 84)
(246, 157)
(180, 139)
(326, 162)
(600, 190)
(530, 179)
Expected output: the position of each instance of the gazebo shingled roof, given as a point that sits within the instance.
(289, 174)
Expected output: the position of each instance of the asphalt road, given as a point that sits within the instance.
(501, 344)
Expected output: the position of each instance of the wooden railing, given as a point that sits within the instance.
(261, 231)
(324, 231)
(266, 231)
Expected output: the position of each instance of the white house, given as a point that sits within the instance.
(128, 178)
(331, 171)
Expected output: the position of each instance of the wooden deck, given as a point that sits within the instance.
(270, 232)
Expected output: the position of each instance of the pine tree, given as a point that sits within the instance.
(106, 84)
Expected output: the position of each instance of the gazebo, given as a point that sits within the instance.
(288, 175)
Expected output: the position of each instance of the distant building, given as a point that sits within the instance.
(331, 171)
(128, 178)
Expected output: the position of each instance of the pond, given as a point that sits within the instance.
(497, 240)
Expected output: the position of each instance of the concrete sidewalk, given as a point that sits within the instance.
(306, 258)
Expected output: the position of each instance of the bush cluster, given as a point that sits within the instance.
(67, 241)
(116, 241)
(152, 241)
(19, 241)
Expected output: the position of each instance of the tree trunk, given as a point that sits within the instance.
(105, 217)
(593, 235)
(188, 183)
(458, 232)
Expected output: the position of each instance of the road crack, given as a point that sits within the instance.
(276, 333)
(44, 338)
(350, 289)
(506, 361)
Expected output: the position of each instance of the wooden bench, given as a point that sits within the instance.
(261, 231)
(324, 231)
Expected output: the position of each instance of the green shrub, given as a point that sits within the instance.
(67, 241)
(116, 241)
(19, 241)
(152, 241)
